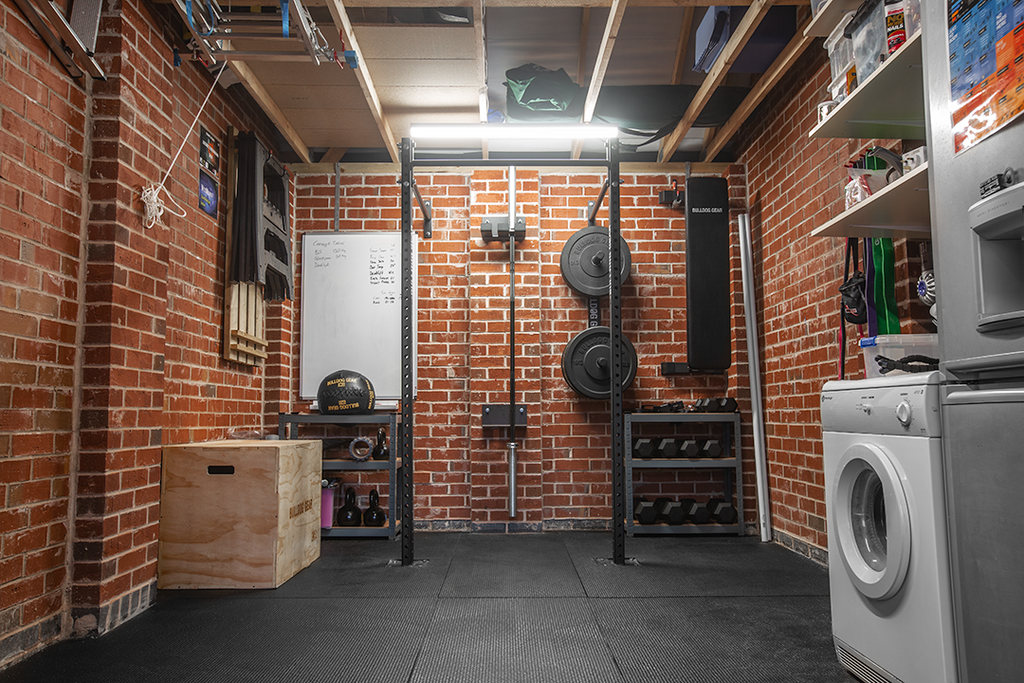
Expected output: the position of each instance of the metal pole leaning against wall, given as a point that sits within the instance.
(406, 153)
(615, 326)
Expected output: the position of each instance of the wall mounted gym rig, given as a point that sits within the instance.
(617, 365)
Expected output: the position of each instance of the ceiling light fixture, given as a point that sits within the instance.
(511, 131)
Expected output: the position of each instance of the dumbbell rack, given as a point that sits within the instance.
(287, 428)
(732, 467)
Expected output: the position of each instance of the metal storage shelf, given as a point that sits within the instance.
(732, 468)
(900, 209)
(888, 105)
(288, 427)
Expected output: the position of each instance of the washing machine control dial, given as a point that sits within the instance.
(904, 413)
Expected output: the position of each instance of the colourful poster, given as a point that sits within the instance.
(208, 192)
(986, 67)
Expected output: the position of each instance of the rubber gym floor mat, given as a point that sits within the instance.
(241, 640)
(511, 565)
(360, 567)
(686, 566)
(369, 568)
(721, 640)
(507, 640)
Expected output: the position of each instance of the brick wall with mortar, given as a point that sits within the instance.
(795, 185)
(81, 430)
(42, 165)
(564, 477)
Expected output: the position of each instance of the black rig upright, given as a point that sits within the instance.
(615, 326)
(406, 153)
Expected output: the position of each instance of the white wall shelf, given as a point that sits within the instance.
(889, 104)
(900, 209)
(829, 15)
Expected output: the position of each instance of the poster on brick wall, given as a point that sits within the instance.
(209, 171)
(986, 67)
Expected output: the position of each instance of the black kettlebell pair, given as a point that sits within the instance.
(350, 515)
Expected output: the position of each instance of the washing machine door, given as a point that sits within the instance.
(872, 521)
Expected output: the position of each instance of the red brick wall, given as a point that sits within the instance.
(42, 158)
(795, 185)
(80, 513)
(564, 477)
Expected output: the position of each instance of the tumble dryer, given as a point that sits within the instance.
(892, 615)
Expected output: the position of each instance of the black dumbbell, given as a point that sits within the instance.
(668, 448)
(670, 511)
(695, 512)
(643, 448)
(644, 511)
(690, 449)
(711, 449)
(702, 405)
(726, 405)
(721, 511)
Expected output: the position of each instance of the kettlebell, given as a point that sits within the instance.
(374, 515)
(349, 514)
(380, 451)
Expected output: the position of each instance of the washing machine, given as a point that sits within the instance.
(892, 608)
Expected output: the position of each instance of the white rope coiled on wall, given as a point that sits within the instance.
(153, 205)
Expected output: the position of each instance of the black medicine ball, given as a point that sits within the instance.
(345, 392)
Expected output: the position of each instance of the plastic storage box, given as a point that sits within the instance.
(895, 347)
(870, 47)
(912, 15)
(840, 49)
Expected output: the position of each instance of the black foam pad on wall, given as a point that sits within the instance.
(708, 333)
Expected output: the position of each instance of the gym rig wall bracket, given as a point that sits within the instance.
(615, 366)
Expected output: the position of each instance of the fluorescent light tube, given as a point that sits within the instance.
(511, 131)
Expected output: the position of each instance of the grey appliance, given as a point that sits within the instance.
(889, 585)
(979, 272)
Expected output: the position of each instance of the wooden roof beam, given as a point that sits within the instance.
(344, 26)
(764, 85)
(481, 66)
(260, 94)
(581, 60)
(737, 41)
(604, 55)
(684, 42)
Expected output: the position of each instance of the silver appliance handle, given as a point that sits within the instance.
(968, 396)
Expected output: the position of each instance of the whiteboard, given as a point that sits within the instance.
(351, 309)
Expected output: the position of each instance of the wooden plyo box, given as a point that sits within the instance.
(238, 514)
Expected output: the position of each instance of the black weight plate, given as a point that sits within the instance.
(586, 363)
(584, 261)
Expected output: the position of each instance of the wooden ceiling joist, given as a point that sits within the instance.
(481, 67)
(344, 26)
(684, 42)
(737, 41)
(581, 60)
(333, 155)
(764, 85)
(604, 55)
(260, 94)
